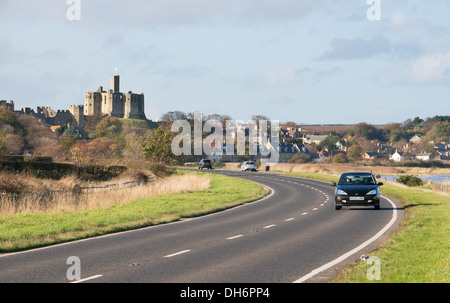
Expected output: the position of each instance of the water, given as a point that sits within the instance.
(431, 178)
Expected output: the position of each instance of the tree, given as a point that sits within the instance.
(158, 146)
(355, 153)
(367, 131)
(173, 116)
(67, 143)
(440, 132)
(103, 148)
(133, 146)
(108, 127)
(300, 158)
(340, 158)
(330, 143)
(78, 132)
(13, 143)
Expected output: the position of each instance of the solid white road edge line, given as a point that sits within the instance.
(353, 251)
(86, 279)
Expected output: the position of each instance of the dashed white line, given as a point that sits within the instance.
(269, 226)
(177, 253)
(235, 237)
(290, 219)
(304, 214)
(315, 208)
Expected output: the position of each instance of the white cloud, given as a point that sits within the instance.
(427, 70)
(350, 49)
(431, 69)
(106, 13)
(281, 77)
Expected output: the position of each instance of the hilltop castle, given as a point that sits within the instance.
(114, 103)
(111, 103)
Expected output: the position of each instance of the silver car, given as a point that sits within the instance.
(248, 165)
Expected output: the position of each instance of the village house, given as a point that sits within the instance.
(414, 140)
(316, 139)
(397, 156)
(425, 156)
(371, 155)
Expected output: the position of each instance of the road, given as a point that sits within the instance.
(286, 237)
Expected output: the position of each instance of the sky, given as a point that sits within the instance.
(306, 61)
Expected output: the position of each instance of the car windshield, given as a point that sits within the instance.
(206, 161)
(357, 179)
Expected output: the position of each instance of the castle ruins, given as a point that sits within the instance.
(101, 103)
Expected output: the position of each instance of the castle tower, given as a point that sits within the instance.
(115, 83)
(114, 103)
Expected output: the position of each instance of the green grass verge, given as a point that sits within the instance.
(28, 230)
(419, 252)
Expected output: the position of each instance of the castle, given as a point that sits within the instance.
(114, 103)
(111, 103)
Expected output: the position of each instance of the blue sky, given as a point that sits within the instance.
(308, 61)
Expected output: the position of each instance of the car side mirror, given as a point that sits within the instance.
(333, 183)
(380, 183)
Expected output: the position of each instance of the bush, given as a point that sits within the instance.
(160, 169)
(410, 180)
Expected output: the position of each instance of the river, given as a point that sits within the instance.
(433, 178)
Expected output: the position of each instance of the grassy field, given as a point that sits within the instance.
(29, 229)
(419, 252)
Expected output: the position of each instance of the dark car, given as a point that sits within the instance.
(204, 163)
(357, 189)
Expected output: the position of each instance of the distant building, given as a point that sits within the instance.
(425, 156)
(314, 139)
(8, 104)
(371, 155)
(416, 139)
(113, 103)
(396, 157)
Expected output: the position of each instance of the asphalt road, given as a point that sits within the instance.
(288, 236)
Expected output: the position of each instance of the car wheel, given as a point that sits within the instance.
(377, 207)
(338, 207)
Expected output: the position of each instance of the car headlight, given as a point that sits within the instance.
(341, 192)
(372, 192)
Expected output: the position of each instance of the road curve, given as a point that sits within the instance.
(292, 235)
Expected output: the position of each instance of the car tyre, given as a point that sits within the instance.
(338, 207)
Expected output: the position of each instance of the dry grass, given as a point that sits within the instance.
(340, 168)
(13, 183)
(71, 201)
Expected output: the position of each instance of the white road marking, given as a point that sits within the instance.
(86, 279)
(269, 226)
(290, 219)
(178, 253)
(304, 214)
(235, 237)
(315, 208)
(355, 250)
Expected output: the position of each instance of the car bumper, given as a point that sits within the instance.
(357, 201)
